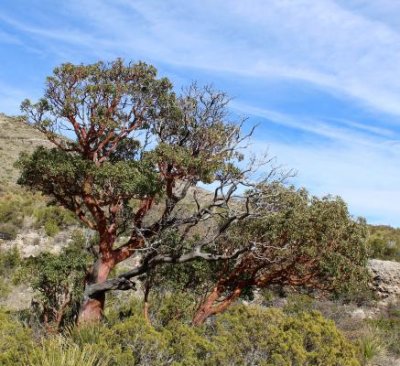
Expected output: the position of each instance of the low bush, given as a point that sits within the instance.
(15, 340)
(384, 243)
(9, 261)
(58, 281)
(53, 219)
(241, 336)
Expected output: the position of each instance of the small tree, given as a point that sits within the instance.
(136, 150)
(296, 240)
(58, 281)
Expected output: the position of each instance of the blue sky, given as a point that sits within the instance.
(321, 78)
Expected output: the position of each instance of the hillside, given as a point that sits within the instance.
(16, 136)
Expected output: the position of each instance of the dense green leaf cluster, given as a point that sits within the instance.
(315, 239)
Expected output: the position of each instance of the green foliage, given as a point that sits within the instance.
(388, 327)
(316, 239)
(130, 342)
(53, 218)
(61, 352)
(9, 231)
(384, 243)
(14, 206)
(268, 337)
(59, 279)
(298, 303)
(371, 346)
(241, 336)
(10, 260)
(15, 340)
(172, 307)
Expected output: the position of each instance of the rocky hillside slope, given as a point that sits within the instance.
(16, 136)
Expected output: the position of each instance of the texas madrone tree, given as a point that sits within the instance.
(128, 154)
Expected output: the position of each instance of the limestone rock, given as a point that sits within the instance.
(385, 279)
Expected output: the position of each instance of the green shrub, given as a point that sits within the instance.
(51, 228)
(298, 303)
(129, 342)
(15, 340)
(9, 261)
(384, 243)
(389, 328)
(10, 210)
(15, 204)
(241, 336)
(59, 281)
(53, 218)
(251, 335)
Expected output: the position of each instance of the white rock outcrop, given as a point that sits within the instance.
(385, 279)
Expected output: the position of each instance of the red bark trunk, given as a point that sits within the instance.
(208, 307)
(92, 308)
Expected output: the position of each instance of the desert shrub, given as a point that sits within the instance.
(384, 243)
(53, 219)
(130, 342)
(298, 303)
(241, 336)
(9, 261)
(15, 340)
(10, 211)
(251, 335)
(167, 308)
(58, 280)
(189, 345)
(15, 204)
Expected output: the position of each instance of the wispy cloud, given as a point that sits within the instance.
(348, 50)
(319, 42)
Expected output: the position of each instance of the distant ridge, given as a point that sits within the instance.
(16, 136)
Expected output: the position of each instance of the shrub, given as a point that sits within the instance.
(53, 218)
(384, 243)
(241, 336)
(15, 340)
(251, 335)
(298, 303)
(59, 281)
(51, 228)
(9, 261)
